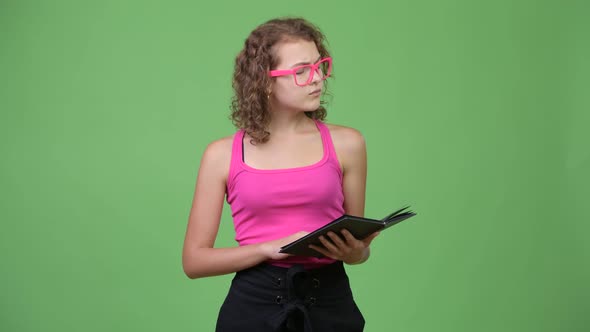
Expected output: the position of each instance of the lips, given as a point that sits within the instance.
(315, 92)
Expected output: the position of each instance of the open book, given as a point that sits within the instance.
(359, 227)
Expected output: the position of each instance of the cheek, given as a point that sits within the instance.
(291, 95)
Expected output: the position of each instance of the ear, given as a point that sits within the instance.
(269, 86)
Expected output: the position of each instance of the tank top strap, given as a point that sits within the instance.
(328, 144)
(236, 157)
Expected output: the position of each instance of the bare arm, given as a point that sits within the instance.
(352, 153)
(354, 162)
(199, 257)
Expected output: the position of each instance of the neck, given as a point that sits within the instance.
(287, 123)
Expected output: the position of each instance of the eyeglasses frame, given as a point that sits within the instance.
(293, 71)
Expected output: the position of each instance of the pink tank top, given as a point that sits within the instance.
(271, 204)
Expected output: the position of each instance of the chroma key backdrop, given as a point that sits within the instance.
(475, 113)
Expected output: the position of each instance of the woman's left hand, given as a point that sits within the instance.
(348, 249)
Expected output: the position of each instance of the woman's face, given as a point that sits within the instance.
(285, 93)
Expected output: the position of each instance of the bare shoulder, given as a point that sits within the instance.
(219, 148)
(347, 139)
(217, 155)
(350, 146)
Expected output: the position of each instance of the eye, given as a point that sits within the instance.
(304, 70)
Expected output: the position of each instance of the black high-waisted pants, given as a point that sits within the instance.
(270, 298)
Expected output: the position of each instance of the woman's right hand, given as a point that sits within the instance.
(271, 248)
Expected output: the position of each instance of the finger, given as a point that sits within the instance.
(322, 251)
(349, 237)
(344, 248)
(337, 240)
(329, 245)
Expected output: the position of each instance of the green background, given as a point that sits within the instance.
(475, 113)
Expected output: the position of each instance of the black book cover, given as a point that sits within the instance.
(359, 227)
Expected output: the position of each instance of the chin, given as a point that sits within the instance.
(311, 107)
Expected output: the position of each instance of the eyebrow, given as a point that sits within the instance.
(305, 62)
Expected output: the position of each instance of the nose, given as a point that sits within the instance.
(317, 76)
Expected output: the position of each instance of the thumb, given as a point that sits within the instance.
(370, 238)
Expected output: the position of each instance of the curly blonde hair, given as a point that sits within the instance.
(251, 82)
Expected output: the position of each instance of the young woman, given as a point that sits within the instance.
(284, 173)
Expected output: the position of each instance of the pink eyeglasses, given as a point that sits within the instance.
(304, 74)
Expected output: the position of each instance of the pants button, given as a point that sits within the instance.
(316, 283)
